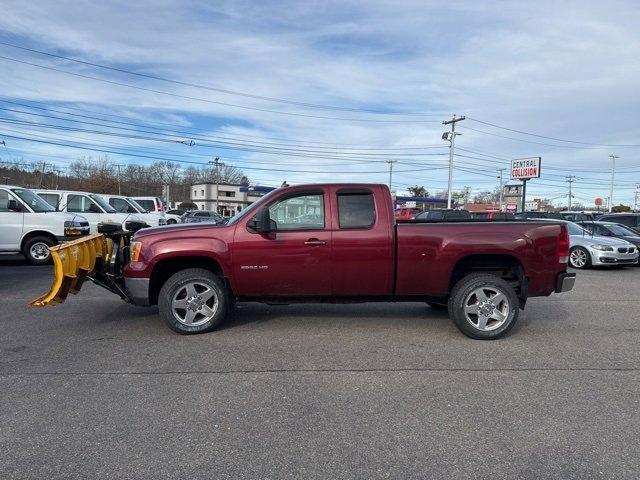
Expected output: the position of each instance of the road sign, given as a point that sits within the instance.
(512, 190)
(525, 168)
(598, 201)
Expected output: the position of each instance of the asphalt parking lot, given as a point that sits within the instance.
(96, 388)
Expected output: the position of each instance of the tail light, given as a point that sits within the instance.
(563, 245)
(159, 207)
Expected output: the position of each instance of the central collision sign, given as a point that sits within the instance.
(525, 168)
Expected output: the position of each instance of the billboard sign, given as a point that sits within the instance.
(512, 190)
(525, 168)
(512, 207)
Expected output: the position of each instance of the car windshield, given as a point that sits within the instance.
(103, 203)
(620, 230)
(136, 205)
(36, 203)
(252, 208)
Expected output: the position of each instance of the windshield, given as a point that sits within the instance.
(103, 203)
(620, 230)
(251, 207)
(576, 230)
(36, 203)
(136, 205)
(147, 205)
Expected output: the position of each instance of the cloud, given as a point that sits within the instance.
(566, 70)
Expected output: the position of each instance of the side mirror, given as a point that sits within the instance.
(93, 208)
(14, 206)
(135, 225)
(262, 222)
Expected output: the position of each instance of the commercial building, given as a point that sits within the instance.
(231, 198)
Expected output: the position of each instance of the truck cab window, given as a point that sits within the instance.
(302, 212)
(356, 210)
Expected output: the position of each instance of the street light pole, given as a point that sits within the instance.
(451, 136)
(500, 170)
(613, 174)
(217, 163)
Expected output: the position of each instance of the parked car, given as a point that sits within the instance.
(173, 216)
(587, 250)
(577, 216)
(406, 213)
(150, 204)
(124, 204)
(186, 214)
(483, 272)
(609, 229)
(205, 216)
(29, 225)
(90, 205)
(537, 215)
(631, 220)
(493, 216)
(444, 214)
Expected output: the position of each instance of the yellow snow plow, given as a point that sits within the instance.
(99, 257)
(73, 262)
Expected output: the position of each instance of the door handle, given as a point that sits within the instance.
(314, 242)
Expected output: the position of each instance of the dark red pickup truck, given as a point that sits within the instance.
(340, 243)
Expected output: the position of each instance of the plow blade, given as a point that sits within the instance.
(72, 262)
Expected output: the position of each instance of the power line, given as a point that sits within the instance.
(546, 137)
(223, 136)
(187, 97)
(216, 89)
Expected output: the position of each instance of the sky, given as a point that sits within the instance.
(316, 91)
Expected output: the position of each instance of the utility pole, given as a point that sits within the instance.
(44, 166)
(451, 137)
(500, 170)
(216, 161)
(635, 198)
(118, 165)
(570, 180)
(613, 174)
(390, 162)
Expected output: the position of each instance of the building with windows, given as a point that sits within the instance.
(231, 199)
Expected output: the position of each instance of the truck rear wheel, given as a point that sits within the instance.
(36, 250)
(483, 306)
(193, 301)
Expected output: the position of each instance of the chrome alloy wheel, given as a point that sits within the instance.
(578, 258)
(194, 304)
(39, 251)
(486, 308)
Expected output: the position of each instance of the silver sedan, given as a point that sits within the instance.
(588, 250)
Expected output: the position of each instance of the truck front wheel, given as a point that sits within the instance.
(483, 306)
(193, 301)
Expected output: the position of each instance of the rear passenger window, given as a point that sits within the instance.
(356, 210)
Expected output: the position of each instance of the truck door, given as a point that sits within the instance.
(362, 256)
(294, 259)
(11, 221)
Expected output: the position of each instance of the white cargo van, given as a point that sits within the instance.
(30, 225)
(124, 204)
(90, 205)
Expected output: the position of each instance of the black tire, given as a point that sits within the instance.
(464, 291)
(34, 249)
(178, 284)
(573, 261)
(441, 307)
(171, 221)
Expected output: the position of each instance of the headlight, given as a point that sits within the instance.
(74, 228)
(135, 250)
(602, 248)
